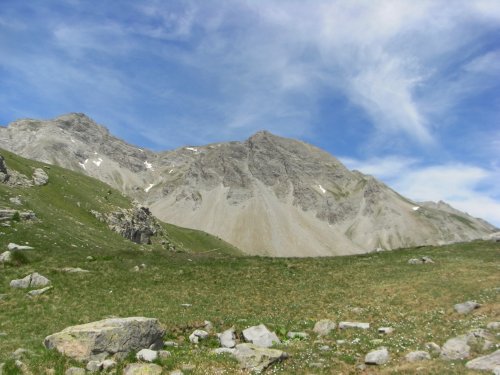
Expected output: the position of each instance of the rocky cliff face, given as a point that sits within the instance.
(267, 195)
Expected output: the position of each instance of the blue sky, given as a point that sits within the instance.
(408, 91)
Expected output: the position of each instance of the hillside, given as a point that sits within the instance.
(267, 195)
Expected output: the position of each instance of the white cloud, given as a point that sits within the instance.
(469, 188)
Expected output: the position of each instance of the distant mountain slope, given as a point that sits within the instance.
(65, 224)
(267, 195)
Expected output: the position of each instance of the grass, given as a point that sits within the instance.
(230, 290)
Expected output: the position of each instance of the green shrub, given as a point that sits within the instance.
(16, 217)
(19, 258)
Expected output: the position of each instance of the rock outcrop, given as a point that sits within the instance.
(107, 338)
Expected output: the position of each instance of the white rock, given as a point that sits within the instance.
(33, 280)
(227, 338)
(255, 358)
(74, 270)
(466, 307)
(6, 256)
(494, 326)
(108, 364)
(198, 335)
(15, 246)
(38, 292)
(344, 325)
(260, 336)
(417, 356)
(455, 349)
(323, 327)
(147, 355)
(94, 366)
(40, 177)
(377, 357)
(142, 369)
(385, 330)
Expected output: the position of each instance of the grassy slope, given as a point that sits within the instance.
(285, 294)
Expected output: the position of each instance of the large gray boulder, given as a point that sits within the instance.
(255, 358)
(260, 336)
(31, 281)
(485, 363)
(456, 349)
(110, 337)
(40, 178)
(417, 356)
(227, 338)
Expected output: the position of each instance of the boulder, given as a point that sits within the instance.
(39, 177)
(227, 338)
(14, 246)
(344, 325)
(142, 369)
(198, 335)
(455, 349)
(110, 337)
(485, 363)
(260, 336)
(377, 357)
(417, 356)
(323, 327)
(466, 307)
(255, 358)
(147, 355)
(5, 257)
(30, 281)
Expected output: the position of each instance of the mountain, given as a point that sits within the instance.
(267, 195)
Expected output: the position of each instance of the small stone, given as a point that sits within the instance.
(147, 355)
(297, 335)
(20, 353)
(227, 338)
(90, 258)
(136, 269)
(16, 201)
(37, 292)
(345, 325)
(170, 344)
(324, 348)
(176, 372)
(494, 326)
(340, 342)
(417, 356)
(186, 304)
(142, 369)
(377, 357)
(74, 270)
(94, 366)
(260, 336)
(208, 326)
(385, 330)
(108, 364)
(13, 246)
(75, 371)
(40, 178)
(466, 307)
(323, 327)
(5, 257)
(198, 335)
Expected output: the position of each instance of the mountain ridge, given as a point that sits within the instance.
(268, 195)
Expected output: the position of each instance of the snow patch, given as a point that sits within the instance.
(83, 164)
(194, 149)
(415, 208)
(148, 165)
(322, 189)
(97, 162)
(149, 187)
